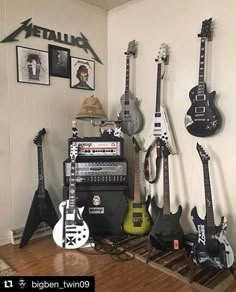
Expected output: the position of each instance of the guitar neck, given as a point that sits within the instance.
(137, 196)
(208, 198)
(127, 78)
(166, 188)
(72, 186)
(158, 89)
(201, 75)
(41, 182)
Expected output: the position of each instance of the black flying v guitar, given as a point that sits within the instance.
(42, 209)
(130, 115)
(211, 247)
(166, 232)
(203, 118)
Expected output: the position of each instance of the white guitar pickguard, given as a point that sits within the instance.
(75, 235)
(160, 128)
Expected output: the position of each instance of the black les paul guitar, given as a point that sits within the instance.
(211, 247)
(42, 209)
(203, 118)
(166, 232)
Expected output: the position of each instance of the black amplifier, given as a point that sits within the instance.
(98, 147)
(100, 171)
(105, 207)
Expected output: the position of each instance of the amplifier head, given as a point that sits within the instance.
(98, 147)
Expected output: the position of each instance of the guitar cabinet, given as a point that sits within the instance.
(105, 207)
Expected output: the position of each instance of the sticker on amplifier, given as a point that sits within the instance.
(96, 210)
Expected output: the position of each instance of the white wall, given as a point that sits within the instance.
(177, 23)
(27, 108)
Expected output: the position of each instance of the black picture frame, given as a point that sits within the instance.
(84, 68)
(59, 61)
(32, 66)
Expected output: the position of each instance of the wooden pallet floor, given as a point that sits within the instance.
(175, 263)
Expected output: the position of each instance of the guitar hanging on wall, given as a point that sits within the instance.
(160, 126)
(211, 247)
(71, 231)
(42, 209)
(203, 118)
(130, 115)
(166, 232)
(138, 220)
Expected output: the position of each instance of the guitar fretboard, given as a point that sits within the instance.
(208, 198)
(201, 76)
(136, 179)
(41, 182)
(166, 188)
(127, 79)
(158, 90)
(72, 187)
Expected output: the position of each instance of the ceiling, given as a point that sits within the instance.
(107, 4)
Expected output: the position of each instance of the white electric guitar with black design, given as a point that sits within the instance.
(211, 248)
(71, 231)
(160, 127)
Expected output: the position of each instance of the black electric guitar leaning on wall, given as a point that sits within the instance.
(203, 118)
(166, 232)
(130, 115)
(42, 209)
(138, 220)
(211, 247)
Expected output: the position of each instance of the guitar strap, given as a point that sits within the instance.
(147, 167)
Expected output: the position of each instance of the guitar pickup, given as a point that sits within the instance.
(200, 97)
(126, 112)
(200, 109)
(157, 125)
(157, 115)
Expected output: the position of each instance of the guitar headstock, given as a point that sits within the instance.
(137, 147)
(131, 49)
(202, 153)
(39, 137)
(73, 151)
(206, 29)
(165, 149)
(162, 54)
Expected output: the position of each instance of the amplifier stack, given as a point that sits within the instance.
(101, 182)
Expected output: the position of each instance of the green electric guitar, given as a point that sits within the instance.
(137, 221)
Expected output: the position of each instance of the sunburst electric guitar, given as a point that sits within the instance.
(137, 221)
(71, 231)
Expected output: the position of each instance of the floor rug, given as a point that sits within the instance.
(5, 269)
(176, 264)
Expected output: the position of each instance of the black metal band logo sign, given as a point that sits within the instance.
(51, 35)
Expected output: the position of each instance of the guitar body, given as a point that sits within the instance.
(211, 247)
(166, 230)
(138, 220)
(71, 231)
(41, 210)
(130, 115)
(160, 128)
(203, 118)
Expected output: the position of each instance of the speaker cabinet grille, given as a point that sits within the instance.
(105, 207)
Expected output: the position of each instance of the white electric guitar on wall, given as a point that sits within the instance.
(71, 231)
(160, 127)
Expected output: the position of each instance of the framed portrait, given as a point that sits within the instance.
(32, 66)
(82, 74)
(59, 61)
